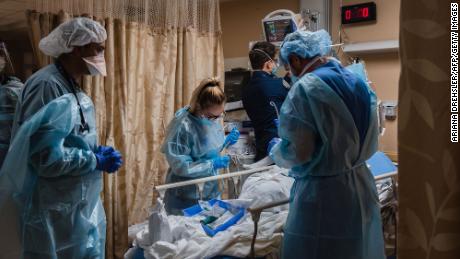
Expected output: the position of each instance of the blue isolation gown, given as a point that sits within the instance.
(334, 211)
(190, 144)
(9, 94)
(49, 179)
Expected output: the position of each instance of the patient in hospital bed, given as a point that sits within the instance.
(184, 237)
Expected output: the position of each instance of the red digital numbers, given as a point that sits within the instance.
(348, 15)
(365, 12)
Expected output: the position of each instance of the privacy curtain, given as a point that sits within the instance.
(153, 62)
(429, 169)
(40, 25)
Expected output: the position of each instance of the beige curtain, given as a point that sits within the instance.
(152, 72)
(150, 76)
(429, 171)
(39, 26)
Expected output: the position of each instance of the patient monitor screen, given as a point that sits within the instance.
(276, 30)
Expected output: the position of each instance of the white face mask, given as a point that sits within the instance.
(2, 63)
(96, 65)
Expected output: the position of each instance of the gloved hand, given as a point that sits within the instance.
(277, 123)
(232, 137)
(117, 159)
(220, 161)
(108, 159)
(105, 150)
(272, 143)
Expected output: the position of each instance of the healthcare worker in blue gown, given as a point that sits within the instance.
(51, 179)
(10, 88)
(328, 129)
(193, 144)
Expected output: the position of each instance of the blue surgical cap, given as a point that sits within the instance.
(305, 44)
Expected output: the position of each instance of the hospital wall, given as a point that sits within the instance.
(383, 68)
(241, 23)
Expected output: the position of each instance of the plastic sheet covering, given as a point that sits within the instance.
(50, 217)
(159, 228)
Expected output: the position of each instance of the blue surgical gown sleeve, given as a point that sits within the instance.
(297, 131)
(178, 152)
(55, 160)
(60, 160)
(37, 96)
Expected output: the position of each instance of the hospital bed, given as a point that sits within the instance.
(237, 240)
(244, 236)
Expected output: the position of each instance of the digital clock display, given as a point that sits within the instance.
(359, 13)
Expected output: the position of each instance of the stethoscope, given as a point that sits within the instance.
(84, 126)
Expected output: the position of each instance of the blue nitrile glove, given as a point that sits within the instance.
(108, 159)
(102, 161)
(220, 162)
(277, 123)
(232, 137)
(272, 143)
(105, 150)
(117, 161)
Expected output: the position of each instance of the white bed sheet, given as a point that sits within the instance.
(190, 241)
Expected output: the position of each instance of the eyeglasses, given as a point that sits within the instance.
(214, 117)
